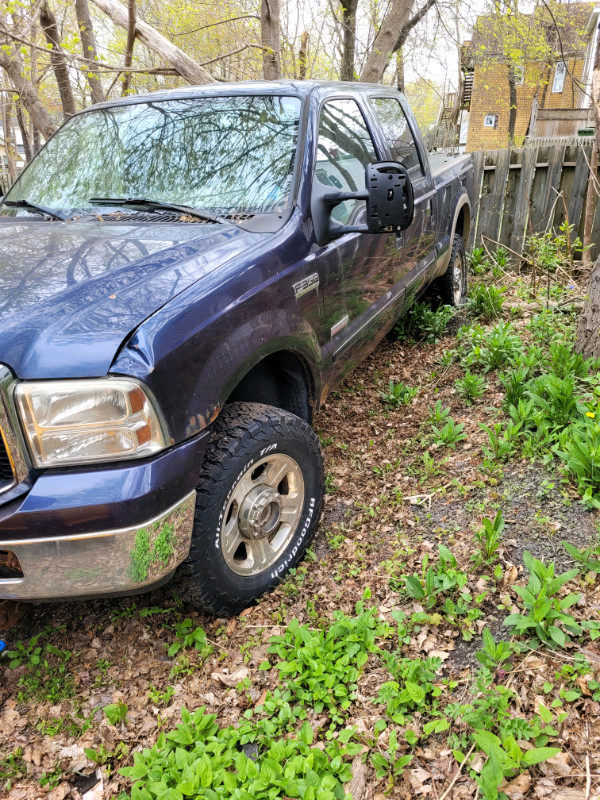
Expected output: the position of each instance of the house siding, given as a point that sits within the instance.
(491, 96)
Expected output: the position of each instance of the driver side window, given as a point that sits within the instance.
(344, 149)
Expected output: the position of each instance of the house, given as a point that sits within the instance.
(544, 62)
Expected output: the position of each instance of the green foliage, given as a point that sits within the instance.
(485, 302)
(502, 440)
(513, 381)
(102, 755)
(423, 323)
(398, 394)
(551, 251)
(116, 713)
(439, 414)
(45, 674)
(186, 636)
(442, 579)
(587, 556)
(160, 698)
(581, 455)
(202, 760)
(544, 612)
(476, 260)
(411, 688)
(470, 388)
(450, 434)
(488, 537)
(321, 667)
(12, 767)
(387, 763)
(490, 722)
(488, 350)
(492, 655)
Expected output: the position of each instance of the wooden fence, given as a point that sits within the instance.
(524, 190)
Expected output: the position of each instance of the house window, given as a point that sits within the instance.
(560, 70)
(519, 73)
(490, 121)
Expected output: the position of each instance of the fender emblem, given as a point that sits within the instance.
(306, 285)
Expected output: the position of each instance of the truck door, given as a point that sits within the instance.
(357, 269)
(416, 244)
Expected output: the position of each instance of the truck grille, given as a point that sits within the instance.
(7, 477)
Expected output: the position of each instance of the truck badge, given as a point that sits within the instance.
(306, 285)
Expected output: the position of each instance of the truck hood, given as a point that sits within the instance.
(71, 292)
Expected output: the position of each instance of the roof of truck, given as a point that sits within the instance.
(288, 87)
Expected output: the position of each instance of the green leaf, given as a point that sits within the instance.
(531, 757)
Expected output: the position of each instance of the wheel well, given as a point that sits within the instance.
(463, 223)
(280, 379)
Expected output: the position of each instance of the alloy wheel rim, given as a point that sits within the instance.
(262, 514)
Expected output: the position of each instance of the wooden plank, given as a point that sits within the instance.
(499, 196)
(565, 188)
(553, 185)
(537, 194)
(510, 192)
(486, 195)
(579, 188)
(521, 215)
(478, 160)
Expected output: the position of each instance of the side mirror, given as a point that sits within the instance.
(389, 197)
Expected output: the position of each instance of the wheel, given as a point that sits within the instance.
(451, 287)
(259, 500)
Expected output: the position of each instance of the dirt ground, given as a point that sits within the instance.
(387, 506)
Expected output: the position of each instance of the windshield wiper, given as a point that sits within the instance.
(35, 208)
(155, 205)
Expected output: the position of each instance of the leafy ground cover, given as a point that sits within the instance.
(442, 638)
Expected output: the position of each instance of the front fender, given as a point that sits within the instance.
(270, 332)
(193, 381)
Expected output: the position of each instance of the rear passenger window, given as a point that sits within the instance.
(344, 149)
(398, 134)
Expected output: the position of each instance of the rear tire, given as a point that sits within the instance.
(451, 287)
(259, 500)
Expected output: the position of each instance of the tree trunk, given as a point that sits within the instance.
(180, 61)
(9, 142)
(58, 60)
(588, 328)
(90, 51)
(11, 61)
(131, 14)
(303, 56)
(349, 41)
(24, 131)
(400, 70)
(387, 36)
(270, 39)
(512, 99)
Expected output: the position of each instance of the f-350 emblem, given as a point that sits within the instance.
(306, 285)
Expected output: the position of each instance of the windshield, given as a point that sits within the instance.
(226, 155)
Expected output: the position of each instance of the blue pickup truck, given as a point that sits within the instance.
(184, 276)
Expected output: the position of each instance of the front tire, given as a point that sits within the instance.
(451, 287)
(259, 500)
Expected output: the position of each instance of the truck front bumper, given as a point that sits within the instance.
(107, 562)
(102, 531)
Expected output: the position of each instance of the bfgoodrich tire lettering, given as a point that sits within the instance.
(259, 500)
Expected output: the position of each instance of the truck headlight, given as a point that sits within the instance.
(87, 421)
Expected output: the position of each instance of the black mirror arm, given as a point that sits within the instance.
(335, 199)
(340, 197)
